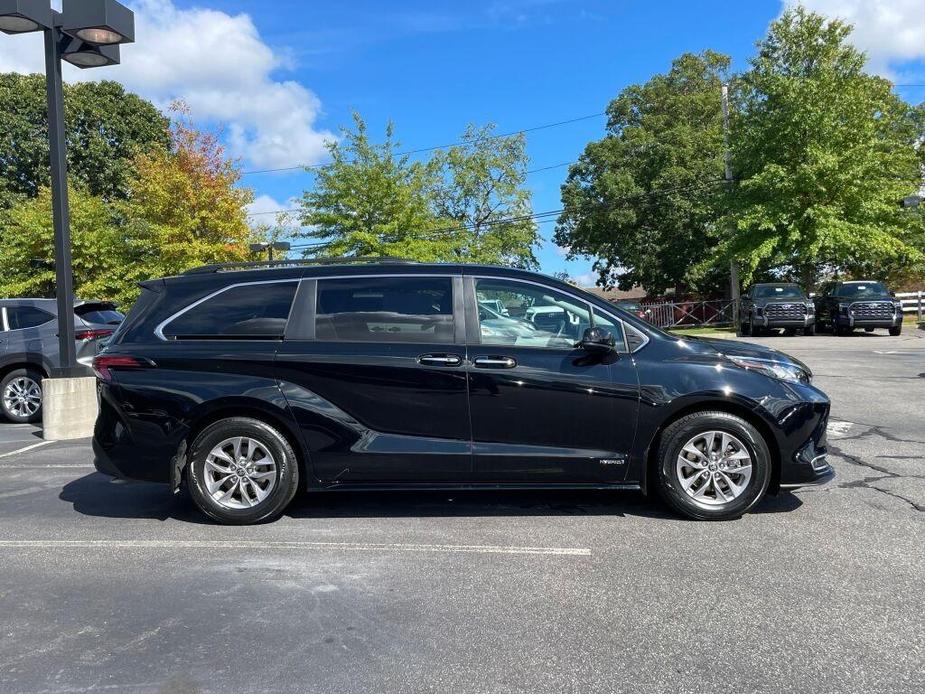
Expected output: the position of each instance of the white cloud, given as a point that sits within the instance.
(265, 209)
(891, 32)
(588, 279)
(220, 66)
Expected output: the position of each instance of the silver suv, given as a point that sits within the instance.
(29, 348)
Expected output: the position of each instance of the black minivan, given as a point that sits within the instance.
(247, 385)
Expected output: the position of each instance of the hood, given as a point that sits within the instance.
(744, 349)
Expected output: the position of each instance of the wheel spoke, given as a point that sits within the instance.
(714, 468)
(240, 473)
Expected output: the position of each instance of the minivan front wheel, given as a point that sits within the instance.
(21, 396)
(713, 466)
(242, 471)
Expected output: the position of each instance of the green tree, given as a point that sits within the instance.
(105, 128)
(482, 192)
(370, 200)
(183, 209)
(644, 199)
(824, 153)
(100, 254)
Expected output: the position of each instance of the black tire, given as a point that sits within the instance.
(868, 330)
(12, 409)
(747, 329)
(790, 332)
(897, 331)
(679, 433)
(836, 329)
(274, 443)
(809, 330)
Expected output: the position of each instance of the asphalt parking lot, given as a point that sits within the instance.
(120, 587)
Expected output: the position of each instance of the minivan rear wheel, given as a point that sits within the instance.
(713, 466)
(242, 471)
(21, 396)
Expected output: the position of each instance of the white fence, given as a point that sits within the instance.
(913, 302)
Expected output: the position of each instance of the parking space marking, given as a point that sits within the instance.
(278, 544)
(839, 428)
(26, 449)
(25, 466)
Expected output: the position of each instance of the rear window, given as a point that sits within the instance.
(387, 309)
(245, 312)
(100, 316)
(22, 317)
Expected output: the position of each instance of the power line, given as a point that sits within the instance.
(532, 171)
(544, 216)
(435, 148)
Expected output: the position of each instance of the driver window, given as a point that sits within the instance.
(528, 315)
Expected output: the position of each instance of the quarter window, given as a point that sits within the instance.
(386, 309)
(22, 317)
(526, 315)
(245, 312)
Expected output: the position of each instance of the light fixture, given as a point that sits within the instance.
(85, 55)
(23, 16)
(98, 22)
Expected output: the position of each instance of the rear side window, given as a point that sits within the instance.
(245, 312)
(22, 317)
(386, 309)
(99, 314)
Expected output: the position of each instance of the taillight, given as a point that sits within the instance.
(92, 334)
(103, 363)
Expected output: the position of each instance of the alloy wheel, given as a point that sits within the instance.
(240, 473)
(22, 397)
(714, 468)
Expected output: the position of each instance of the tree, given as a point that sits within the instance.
(645, 198)
(481, 191)
(106, 127)
(100, 254)
(183, 209)
(371, 200)
(824, 153)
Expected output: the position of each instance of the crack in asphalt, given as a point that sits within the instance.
(868, 482)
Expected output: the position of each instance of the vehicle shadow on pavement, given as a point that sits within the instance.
(97, 495)
(100, 496)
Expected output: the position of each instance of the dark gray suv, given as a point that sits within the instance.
(29, 348)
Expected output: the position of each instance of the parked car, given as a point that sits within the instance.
(844, 306)
(634, 307)
(29, 348)
(774, 306)
(249, 385)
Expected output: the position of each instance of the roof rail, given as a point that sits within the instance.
(258, 265)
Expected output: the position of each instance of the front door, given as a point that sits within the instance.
(541, 408)
(373, 370)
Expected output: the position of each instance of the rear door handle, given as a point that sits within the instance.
(495, 362)
(440, 360)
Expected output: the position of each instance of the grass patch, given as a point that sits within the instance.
(703, 331)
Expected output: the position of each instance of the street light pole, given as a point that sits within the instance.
(67, 350)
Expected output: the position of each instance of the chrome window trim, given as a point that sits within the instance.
(590, 306)
(159, 330)
(6, 320)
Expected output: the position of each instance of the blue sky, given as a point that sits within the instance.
(282, 75)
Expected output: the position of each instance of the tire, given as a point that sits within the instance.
(897, 331)
(21, 396)
(235, 498)
(741, 438)
(809, 330)
(790, 332)
(836, 329)
(868, 330)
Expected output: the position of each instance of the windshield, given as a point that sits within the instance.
(861, 290)
(782, 291)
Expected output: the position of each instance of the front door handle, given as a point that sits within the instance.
(495, 362)
(440, 360)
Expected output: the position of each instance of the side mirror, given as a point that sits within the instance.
(598, 341)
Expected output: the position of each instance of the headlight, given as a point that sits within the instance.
(844, 308)
(775, 369)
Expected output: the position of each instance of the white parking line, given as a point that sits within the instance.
(256, 544)
(839, 428)
(26, 449)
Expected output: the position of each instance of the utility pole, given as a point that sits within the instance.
(734, 288)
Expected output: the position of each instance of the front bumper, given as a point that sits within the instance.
(805, 322)
(852, 322)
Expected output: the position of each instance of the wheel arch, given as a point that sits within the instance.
(23, 362)
(730, 407)
(251, 409)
